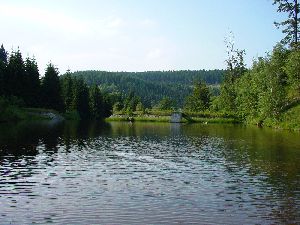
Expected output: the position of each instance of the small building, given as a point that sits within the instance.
(176, 117)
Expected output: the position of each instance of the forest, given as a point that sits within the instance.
(267, 94)
(22, 87)
(153, 86)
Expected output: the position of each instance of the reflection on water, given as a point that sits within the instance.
(148, 173)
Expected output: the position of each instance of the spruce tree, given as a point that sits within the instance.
(107, 106)
(81, 99)
(96, 103)
(14, 78)
(3, 65)
(68, 86)
(51, 90)
(32, 83)
(3, 54)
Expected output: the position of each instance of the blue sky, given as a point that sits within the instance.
(137, 35)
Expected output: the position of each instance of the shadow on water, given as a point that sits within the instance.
(23, 139)
(253, 167)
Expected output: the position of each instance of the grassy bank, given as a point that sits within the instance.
(289, 120)
(165, 116)
(14, 113)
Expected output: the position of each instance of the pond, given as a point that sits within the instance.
(148, 173)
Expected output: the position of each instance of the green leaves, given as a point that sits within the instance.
(292, 69)
(165, 104)
(261, 91)
(199, 100)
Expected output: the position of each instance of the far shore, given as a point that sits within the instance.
(167, 119)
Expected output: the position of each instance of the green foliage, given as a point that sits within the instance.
(68, 86)
(235, 69)
(150, 86)
(51, 89)
(130, 103)
(96, 103)
(210, 114)
(72, 115)
(3, 64)
(117, 107)
(247, 95)
(140, 108)
(3, 54)
(260, 94)
(84, 102)
(20, 80)
(292, 69)
(107, 106)
(165, 104)
(227, 97)
(199, 100)
(32, 83)
(10, 109)
(290, 119)
(14, 78)
(81, 99)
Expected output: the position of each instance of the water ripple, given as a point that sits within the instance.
(177, 179)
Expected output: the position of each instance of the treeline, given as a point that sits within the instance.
(20, 82)
(269, 92)
(265, 92)
(152, 86)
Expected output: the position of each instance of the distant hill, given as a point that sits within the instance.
(151, 86)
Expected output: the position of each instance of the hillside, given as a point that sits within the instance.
(151, 86)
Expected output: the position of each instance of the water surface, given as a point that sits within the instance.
(148, 173)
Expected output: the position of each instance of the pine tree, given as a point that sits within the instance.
(291, 25)
(81, 99)
(96, 103)
(3, 55)
(14, 78)
(107, 106)
(68, 86)
(3, 65)
(32, 83)
(51, 90)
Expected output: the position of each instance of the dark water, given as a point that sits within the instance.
(145, 173)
